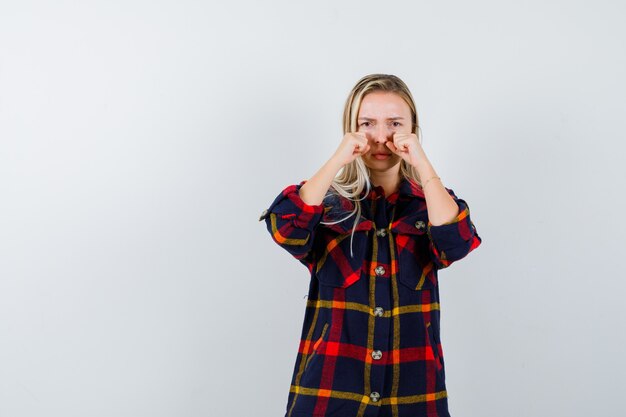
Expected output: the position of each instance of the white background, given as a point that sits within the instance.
(141, 140)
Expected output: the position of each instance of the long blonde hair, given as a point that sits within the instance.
(354, 177)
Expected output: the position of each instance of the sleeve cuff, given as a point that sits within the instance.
(454, 233)
(289, 205)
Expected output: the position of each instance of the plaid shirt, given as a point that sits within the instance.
(370, 343)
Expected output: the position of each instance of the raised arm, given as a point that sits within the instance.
(295, 213)
(450, 229)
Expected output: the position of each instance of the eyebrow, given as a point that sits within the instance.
(389, 118)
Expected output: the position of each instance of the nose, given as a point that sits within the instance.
(382, 134)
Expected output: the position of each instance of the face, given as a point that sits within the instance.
(382, 114)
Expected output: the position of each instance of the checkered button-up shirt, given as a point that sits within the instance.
(370, 343)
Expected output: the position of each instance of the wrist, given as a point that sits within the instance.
(434, 177)
(334, 163)
(419, 159)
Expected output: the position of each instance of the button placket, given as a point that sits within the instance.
(378, 311)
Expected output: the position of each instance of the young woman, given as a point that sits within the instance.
(373, 226)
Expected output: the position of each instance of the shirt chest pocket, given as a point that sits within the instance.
(416, 268)
(343, 257)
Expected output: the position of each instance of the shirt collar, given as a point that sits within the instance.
(408, 188)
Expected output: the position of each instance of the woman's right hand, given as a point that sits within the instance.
(352, 145)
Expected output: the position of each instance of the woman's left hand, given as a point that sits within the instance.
(408, 147)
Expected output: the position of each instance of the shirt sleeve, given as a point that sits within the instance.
(291, 222)
(455, 239)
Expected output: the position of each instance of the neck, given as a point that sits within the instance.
(389, 180)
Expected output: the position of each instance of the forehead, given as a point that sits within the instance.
(383, 104)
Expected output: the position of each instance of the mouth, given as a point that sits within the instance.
(381, 155)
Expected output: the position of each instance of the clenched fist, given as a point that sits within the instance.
(352, 145)
(407, 146)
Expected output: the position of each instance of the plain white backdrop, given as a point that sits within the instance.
(141, 140)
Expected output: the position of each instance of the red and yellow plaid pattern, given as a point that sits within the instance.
(370, 341)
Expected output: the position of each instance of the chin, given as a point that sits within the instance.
(383, 165)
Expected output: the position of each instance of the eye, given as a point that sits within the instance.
(364, 123)
(398, 124)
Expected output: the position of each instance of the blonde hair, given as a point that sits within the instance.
(354, 177)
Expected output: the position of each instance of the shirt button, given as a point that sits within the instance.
(381, 232)
(375, 396)
(377, 354)
(380, 270)
(420, 224)
(378, 312)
